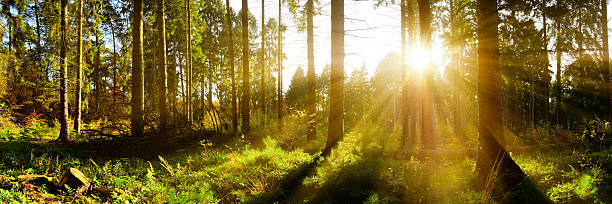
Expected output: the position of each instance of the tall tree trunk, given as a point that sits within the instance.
(414, 107)
(428, 129)
(606, 59)
(246, 89)
(189, 65)
(79, 72)
(456, 75)
(404, 74)
(97, 73)
(558, 77)
(233, 75)
(64, 134)
(336, 93)
(263, 62)
(137, 72)
(279, 106)
(183, 90)
(493, 161)
(172, 85)
(312, 122)
(38, 38)
(547, 64)
(161, 65)
(114, 68)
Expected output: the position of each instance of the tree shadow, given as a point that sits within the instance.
(148, 147)
(353, 183)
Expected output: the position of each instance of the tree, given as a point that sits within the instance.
(606, 59)
(297, 90)
(232, 74)
(336, 95)
(64, 134)
(428, 129)
(189, 82)
(279, 106)
(97, 72)
(161, 65)
(310, 107)
(245, 106)
(404, 75)
(137, 119)
(262, 62)
(493, 161)
(79, 72)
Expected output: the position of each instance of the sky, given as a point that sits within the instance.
(371, 33)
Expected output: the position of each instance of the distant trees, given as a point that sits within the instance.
(297, 90)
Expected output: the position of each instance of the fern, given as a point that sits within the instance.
(167, 166)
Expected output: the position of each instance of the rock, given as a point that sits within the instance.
(75, 179)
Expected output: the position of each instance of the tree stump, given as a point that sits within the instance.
(75, 179)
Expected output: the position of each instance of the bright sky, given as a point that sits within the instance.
(371, 34)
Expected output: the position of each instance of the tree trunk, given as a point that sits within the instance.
(114, 68)
(246, 89)
(606, 59)
(336, 93)
(414, 107)
(172, 86)
(263, 63)
(189, 65)
(96, 75)
(38, 38)
(232, 74)
(137, 125)
(547, 64)
(161, 65)
(79, 72)
(64, 134)
(428, 126)
(311, 111)
(279, 107)
(493, 161)
(404, 74)
(558, 77)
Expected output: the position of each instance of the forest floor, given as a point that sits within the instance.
(229, 170)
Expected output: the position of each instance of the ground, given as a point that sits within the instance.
(225, 169)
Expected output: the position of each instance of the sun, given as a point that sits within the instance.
(418, 58)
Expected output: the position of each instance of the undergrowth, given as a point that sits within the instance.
(279, 171)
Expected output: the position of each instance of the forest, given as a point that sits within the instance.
(305, 101)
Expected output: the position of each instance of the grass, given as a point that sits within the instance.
(235, 171)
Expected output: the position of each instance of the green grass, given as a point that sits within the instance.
(234, 171)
